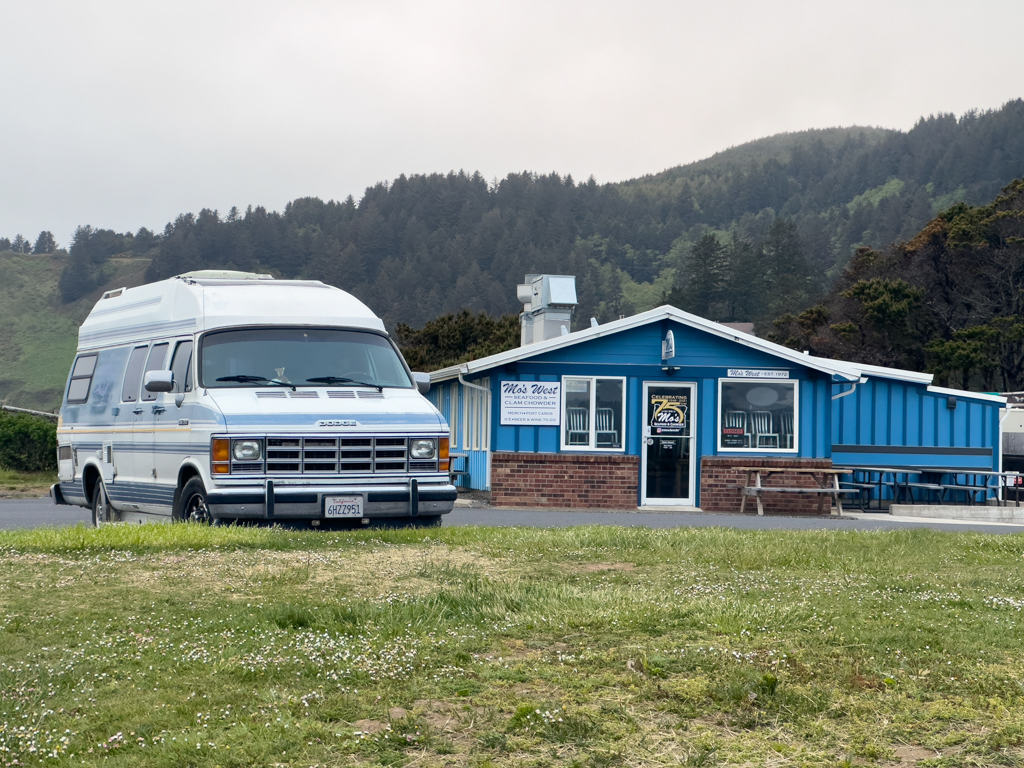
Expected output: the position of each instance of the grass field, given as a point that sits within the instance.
(183, 645)
(18, 485)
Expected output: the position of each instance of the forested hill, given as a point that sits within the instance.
(788, 211)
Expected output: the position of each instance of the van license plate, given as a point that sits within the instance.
(343, 506)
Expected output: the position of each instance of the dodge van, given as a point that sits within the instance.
(223, 396)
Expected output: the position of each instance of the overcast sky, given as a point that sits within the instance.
(123, 115)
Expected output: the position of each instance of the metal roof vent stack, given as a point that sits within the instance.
(548, 303)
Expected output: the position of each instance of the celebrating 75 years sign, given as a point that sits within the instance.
(530, 403)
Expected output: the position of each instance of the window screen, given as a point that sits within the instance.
(133, 375)
(81, 379)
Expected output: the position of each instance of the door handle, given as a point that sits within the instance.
(158, 409)
(137, 411)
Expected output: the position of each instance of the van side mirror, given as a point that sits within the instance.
(422, 382)
(158, 381)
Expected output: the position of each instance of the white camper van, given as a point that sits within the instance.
(234, 396)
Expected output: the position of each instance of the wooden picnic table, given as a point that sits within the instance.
(827, 485)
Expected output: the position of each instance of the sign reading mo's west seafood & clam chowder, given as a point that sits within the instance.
(530, 403)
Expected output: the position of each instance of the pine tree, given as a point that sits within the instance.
(45, 243)
(701, 287)
(787, 275)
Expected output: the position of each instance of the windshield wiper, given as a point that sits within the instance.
(343, 380)
(244, 378)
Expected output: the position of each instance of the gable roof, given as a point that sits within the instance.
(838, 370)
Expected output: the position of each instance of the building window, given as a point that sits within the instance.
(593, 413)
(757, 415)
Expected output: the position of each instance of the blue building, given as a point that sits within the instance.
(660, 408)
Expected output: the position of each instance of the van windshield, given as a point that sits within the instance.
(300, 357)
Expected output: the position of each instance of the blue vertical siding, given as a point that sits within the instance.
(901, 416)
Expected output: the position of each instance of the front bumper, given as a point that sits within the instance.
(278, 501)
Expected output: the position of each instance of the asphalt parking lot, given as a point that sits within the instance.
(33, 513)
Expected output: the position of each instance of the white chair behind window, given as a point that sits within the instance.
(766, 436)
(786, 428)
(605, 423)
(738, 420)
(577, 426)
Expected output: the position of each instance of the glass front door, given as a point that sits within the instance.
(668, 461)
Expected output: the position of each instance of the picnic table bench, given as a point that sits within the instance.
(945, 482)
(452, 471)
(827, 486)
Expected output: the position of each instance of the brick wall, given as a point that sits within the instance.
(720, 483)
(564, 480)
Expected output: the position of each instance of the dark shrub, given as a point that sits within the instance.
(27, 443)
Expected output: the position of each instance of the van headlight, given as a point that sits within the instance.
(246, 450)
(423, 449)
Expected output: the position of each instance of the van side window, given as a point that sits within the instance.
(81, 379)
(182, 367)
(157, 355)
(133, 375)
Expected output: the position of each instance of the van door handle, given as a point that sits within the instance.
(137, 411)
(158, 409)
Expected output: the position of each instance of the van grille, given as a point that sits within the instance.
(335, 455)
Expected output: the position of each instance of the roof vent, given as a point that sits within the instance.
(548, 303)
(223, 274)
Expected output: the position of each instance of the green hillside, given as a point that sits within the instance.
(425, 245)
(38, 332)
(754, 232)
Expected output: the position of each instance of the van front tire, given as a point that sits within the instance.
(192, 506)
(102, 512)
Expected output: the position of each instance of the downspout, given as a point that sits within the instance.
(852, 389)
(999, 446)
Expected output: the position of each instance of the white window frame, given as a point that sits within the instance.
(476, 421)
(453, 411)
(592, 446)
(753, 449)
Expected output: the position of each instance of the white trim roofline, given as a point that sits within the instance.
(840, 370)
(881, 372)
(965, 393)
